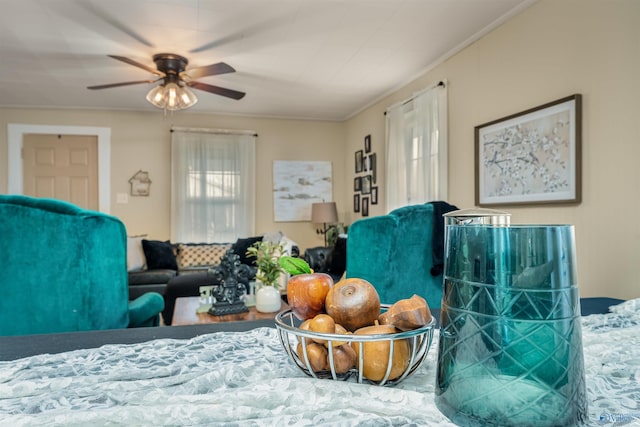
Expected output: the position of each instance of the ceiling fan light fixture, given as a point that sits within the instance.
(187, 97)
(156, 96)
(172, 97)
(174, 91)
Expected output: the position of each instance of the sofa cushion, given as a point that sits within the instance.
(240, 248)
(193, 270)
(139, 290)
(201, 254)
(135, 254)
(159, 254)
(151, 277)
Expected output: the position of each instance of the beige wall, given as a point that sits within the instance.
(142, 141)
(553, 49)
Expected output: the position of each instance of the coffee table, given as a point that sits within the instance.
(185, 313)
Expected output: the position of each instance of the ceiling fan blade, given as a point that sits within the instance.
(249, 31)
(107, 86)
(113, 21)
(229, 93)
(210, 70)
(137, 64)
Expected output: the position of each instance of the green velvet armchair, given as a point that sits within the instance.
(397, 252)
(64, 269)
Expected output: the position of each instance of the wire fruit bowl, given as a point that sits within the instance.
(418, 340)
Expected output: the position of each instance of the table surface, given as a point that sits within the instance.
(247, 379)
(185, 314)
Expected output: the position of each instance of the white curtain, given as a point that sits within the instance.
(212, 185)
(416, 149)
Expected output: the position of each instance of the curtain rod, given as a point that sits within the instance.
(217, 131)
(441, 83)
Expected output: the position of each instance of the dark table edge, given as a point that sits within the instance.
(17, 347)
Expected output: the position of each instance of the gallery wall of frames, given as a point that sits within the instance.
(364, 184)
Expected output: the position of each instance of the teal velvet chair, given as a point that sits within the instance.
(395, 252)
(64, 269)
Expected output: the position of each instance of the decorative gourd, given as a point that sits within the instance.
(407, 314)
(377, 353)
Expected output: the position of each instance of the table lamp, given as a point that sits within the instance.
(324, 213)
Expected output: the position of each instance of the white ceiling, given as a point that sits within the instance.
(318, 59)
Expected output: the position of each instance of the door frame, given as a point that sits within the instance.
(14, 158)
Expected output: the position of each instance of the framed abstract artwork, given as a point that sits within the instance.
(531, 157)
(298, 184)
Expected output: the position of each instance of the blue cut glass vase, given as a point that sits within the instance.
(510, 349)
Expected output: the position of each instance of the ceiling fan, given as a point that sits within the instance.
(174, 93)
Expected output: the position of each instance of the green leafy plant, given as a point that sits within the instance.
(267, 255)
(333, 231)
(294, 266)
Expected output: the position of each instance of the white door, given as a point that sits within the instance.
(61, 167)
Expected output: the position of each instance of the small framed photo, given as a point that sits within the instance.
(357, 183)
(367, 144)
(356, 203)
(365, 206)
(372, 167)
(359, 159)
(374, 195)
(531, 157)
(366, 184)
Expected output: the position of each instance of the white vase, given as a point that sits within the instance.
(268, 299)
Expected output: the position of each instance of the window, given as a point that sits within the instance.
(417, 150)
(213, 185)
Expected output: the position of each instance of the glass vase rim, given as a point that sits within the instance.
(514, 226)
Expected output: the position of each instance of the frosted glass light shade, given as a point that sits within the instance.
(186, 97)
(172, 97)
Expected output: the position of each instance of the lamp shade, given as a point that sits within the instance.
(171, 96)
(324, 213)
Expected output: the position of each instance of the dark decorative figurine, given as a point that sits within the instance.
(229, 290)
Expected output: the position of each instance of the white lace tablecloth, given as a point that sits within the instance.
(246, 379)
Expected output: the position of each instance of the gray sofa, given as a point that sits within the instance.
(179, 269)
(161, 261)
(141, 282)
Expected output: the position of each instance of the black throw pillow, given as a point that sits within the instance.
(159, 255)
(240, 248)
(338, 262)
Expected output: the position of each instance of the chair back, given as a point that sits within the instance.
(63, 268)
(395, 253)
